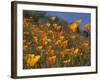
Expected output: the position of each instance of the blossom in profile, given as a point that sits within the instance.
(74, 52)
(31, 60)
(73, 27)
(87, 27)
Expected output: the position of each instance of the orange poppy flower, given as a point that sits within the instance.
(73, 27)
(58, 42)
(31, 60)
(74, 52)
(52, 60)
(61, 54)
(35, 40)
(49, 48)
(87, 27)
(64, 43)
(44, 40)
(39, 48)
(67, 61)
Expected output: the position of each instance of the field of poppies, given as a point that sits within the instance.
(49, 41)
